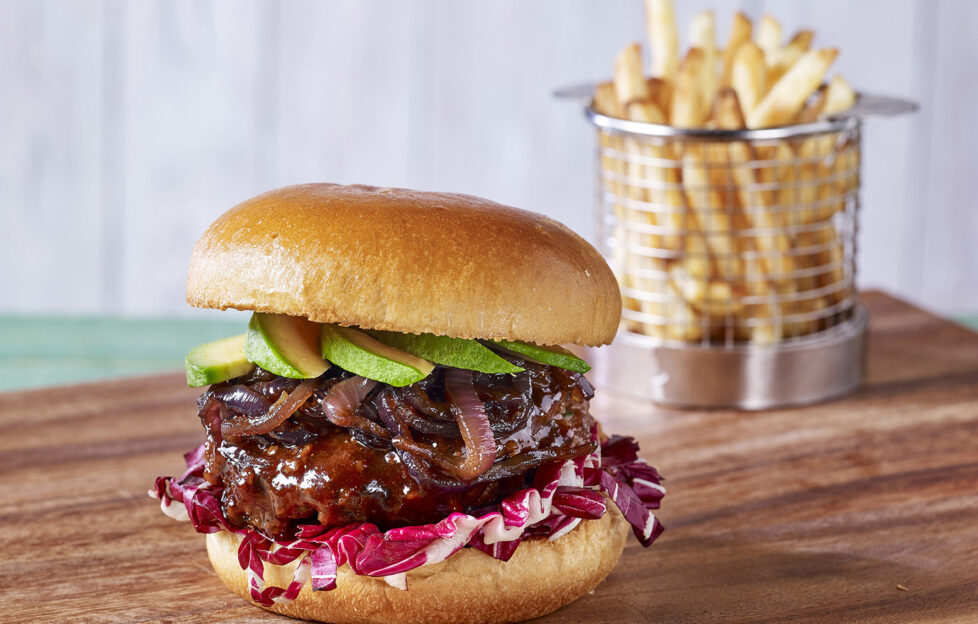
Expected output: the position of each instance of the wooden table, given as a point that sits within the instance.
(862, 510)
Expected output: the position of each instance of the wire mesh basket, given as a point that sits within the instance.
(724, 238)
(736, 256)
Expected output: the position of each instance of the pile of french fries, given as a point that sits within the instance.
(720, 241)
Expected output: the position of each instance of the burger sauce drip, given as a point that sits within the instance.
(308, 470)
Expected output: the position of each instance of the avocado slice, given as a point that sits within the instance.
(285, 345)
(217, 361)
(360, 353)
(456, 352)
(552, 355)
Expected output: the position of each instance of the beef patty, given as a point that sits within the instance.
(307, 470)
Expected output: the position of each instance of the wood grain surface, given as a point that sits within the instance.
(861, 510)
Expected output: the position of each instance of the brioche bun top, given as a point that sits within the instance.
(406, 261)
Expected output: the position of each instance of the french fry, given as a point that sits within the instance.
(659, 93)
(668, 208)
(802, 41)
(813, 107)
(766, 333)
(845, 168)
(680, 229)
(820, 251)
(835, 97)
(787, 97)
(769, 38)
(799, 180)
(756, 204)
(685, 324)
(832, 260)
(693, 270)
(835, 165)
(630, 85)
(721, 300)
(667, 318)
(641, 302)
(660, 19)
(839, 95)
(632, 92)
(749, 75)
(740, 33)
(687, 110)
(710, 297)
(614, 174)
(688, 107)
(713, 216)
(787, 56)
(814, 187)
(630, 304)
(827, 161)
(613, 168)
(692, 288)
(703, 36)
(606, 101)
(646, 112)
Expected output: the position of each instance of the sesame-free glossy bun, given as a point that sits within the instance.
(407, 261)
(468, 587)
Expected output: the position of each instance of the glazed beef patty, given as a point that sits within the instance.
(392, 464)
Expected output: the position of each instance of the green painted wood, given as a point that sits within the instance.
(970, 320)
(45, 351)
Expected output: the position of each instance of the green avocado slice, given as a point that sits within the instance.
(217, 361)
(285, 345)
(552, 355)
(364, 355)
(455, 352)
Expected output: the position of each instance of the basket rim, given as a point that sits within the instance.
(626, 126)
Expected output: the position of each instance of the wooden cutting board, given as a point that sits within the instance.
(861, 510)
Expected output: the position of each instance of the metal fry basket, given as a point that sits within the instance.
(735, 251)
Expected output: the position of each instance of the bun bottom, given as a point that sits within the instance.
(469, 586)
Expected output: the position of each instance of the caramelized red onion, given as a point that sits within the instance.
(212, 414)
(470, 412)
(272, 389)
(417, 457)
(256, 423)
(340, 405)
(425, 475)
(242, 400)
(406, 404)
(371, 441)
(419, 396)
(386, 410)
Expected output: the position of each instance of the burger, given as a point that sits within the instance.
(398, 435)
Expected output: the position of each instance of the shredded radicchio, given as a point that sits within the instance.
(562, 495)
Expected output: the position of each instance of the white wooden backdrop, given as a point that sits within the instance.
(126, 127)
